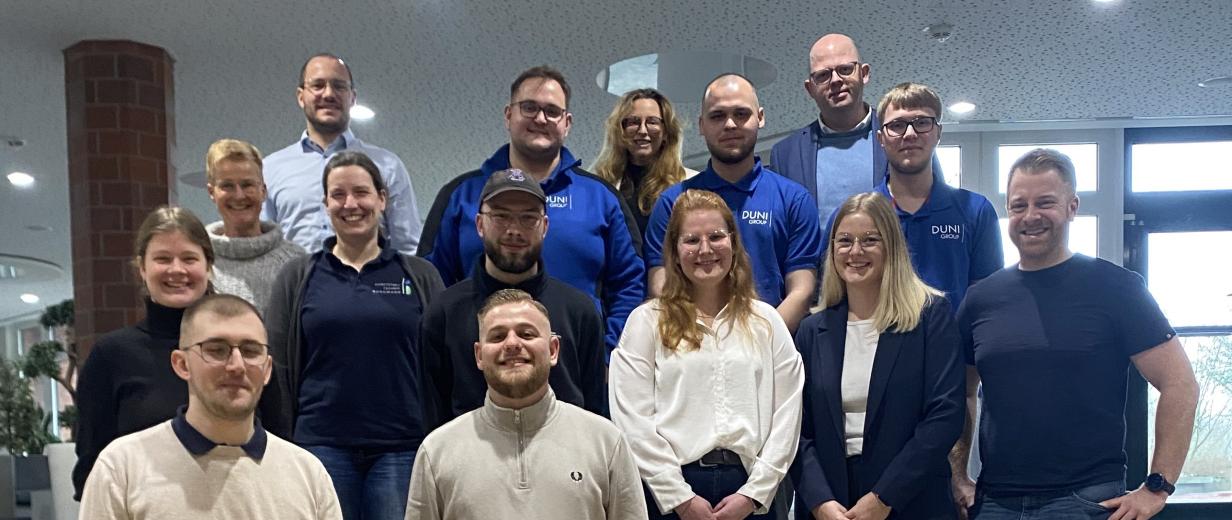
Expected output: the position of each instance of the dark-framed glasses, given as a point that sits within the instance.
(844, 242)
(505, 219)
(529, 109)
(218, 351)
(634, 122)
(898, 127)
(692, 242)
(845, 70)
(318, 86)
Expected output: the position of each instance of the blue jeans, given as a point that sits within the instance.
(1079, 504)
(713, 483)
(371, 484)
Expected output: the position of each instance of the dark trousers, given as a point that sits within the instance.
(713, 483)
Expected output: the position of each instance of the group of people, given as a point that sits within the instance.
(815, 331)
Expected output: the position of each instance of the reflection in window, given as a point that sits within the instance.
(1083, 237)
(1207, 475)
(950, 158)
(1181, 166)
(1189, 276)
(1083, 155)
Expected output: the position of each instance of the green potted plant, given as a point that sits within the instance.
(46, 359)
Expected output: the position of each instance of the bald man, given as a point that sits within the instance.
(777, 218)
(837, 155)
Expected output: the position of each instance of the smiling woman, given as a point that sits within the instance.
(344, 334)
(127, 384)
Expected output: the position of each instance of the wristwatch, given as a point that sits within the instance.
(1157, 482)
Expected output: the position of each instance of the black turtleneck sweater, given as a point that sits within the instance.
(453, 385)
(127, 385)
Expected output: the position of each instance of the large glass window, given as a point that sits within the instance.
(950, 157)
(1084, 156)
(1190, 166)
(1190, 277)
(1083, 238)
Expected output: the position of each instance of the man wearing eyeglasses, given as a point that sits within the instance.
(213, 460)
(512, 225)
(952, 233)
(326, 93)
(778, 220)
(594, 245)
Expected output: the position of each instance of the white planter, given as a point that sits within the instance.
(61, 457)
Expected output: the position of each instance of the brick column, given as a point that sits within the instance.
(121, 133)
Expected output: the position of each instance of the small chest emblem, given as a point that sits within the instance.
(576, 476)
(947, 231)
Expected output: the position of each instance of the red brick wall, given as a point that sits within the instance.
(121, 133)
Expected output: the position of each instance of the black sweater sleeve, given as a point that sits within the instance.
(96, 423)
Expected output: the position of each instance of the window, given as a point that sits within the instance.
(1084, 156)
(1187, 166)
(1083, 235)
(1190, 278)
(950, 158)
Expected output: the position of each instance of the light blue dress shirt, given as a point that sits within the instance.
(296, 198)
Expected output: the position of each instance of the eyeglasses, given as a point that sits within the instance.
(898, 128)
(692, 243)
(634, 122)
(505, 219)
(318, 87)
(245, 186)
(845, 70)
(530, 109)
(218, 352)
(844, 242)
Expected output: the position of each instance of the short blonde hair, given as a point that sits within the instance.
(909, 96)
(903, 295)
(230, 150)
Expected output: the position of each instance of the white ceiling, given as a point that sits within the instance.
(437, 72)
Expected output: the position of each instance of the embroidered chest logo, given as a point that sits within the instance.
(406, 288)
(948, 231)
(560, 201)
(754, 217)
(576, 476)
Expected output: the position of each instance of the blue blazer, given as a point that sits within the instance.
(916, 409)
(795, 157)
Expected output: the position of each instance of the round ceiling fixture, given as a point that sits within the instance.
(682, 75)
(30, 298)
(962, 107)
(1217, 81)
(21, 179)
(362, 113)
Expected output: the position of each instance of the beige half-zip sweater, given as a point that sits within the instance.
(551, 460)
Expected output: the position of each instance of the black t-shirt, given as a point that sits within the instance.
(1052, 348)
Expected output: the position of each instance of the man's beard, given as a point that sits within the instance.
(328, 128)
(731, 157)
(512, 263)
(516, 386)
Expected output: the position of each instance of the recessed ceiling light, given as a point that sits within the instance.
(362, 113)
(38, 227)
(1216, 81)
(962, 107)
(30, 298)
(21, 179)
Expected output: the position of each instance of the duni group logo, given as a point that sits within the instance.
(559, 201)
(760, 218)
(948, 231)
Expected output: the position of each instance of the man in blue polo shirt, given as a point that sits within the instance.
(952, 233)
(777, 217)
(594, 245)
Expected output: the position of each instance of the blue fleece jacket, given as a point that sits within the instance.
(592, 243)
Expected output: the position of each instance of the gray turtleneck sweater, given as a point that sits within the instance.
(549, 461)
(247, 266)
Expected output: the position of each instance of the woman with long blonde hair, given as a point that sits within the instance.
(706, 383)
(641, 150)
(883, 394)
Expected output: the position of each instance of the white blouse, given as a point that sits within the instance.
(858, 352)
(742, 390)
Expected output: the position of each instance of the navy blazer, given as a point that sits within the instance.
(795, 157)
(915, 413)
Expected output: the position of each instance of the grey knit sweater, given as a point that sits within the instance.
(246, 267)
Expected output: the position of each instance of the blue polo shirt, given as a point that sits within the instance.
(777, 218)
(360, 384)
(953, 238)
